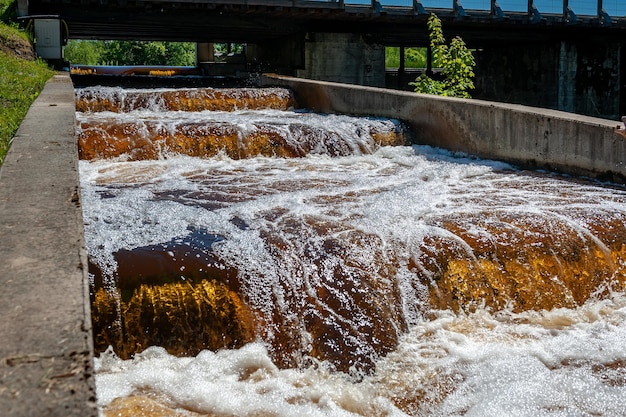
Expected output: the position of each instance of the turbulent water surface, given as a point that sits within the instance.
(375, 281)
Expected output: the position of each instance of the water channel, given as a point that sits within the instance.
(249, 258)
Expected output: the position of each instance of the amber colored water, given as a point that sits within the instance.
(339, 255)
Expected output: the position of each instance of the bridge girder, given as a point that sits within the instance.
(254, 21)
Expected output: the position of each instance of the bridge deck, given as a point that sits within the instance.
(386, 21)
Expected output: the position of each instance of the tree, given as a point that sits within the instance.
(83, 52)
(180, 53)
(455, 60)
(130, 53)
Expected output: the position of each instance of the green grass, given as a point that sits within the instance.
(20, 83)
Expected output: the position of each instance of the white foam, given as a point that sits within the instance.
(236, 382)
(152, 100)
(303, 131)
(395, 194)
(522, 364)
(555, 363)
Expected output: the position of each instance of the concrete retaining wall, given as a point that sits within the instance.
(526, 136)
(46, 350)
(343, 58)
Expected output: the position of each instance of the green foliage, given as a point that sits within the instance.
(9, 27)
(456, 62)
(181, 53)
(413, 57)
(20, 80)
(223, 48)
(148, 53)
(7, 11)
(84, 52)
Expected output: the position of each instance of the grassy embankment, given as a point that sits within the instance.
(21, 76)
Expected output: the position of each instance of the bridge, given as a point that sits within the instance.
(561, 54)
(387, 22)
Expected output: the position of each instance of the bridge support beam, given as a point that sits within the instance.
(579, 77)
(204, 53)
(21, 8)
(345, 58)
(283, 55)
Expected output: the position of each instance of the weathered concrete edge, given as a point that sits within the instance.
(526, 136)
(46, 352)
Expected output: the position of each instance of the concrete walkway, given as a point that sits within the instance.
(46, 354)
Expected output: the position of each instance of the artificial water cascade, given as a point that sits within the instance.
(249, 258)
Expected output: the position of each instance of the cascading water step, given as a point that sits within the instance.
(242, 134)
(118, 100)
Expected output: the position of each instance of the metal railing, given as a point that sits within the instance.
(566, 10)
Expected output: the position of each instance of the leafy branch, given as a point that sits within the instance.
(455, 60)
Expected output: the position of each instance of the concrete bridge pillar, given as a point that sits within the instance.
(204, 53)
(579, 77)
(344, 58)
(566, 88)
(282, 56)
(337, 57)
(22, 8)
